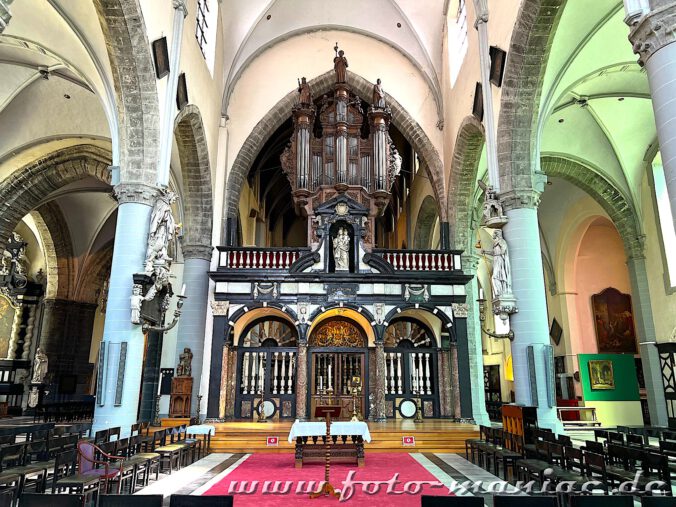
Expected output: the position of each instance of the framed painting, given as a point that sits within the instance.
(555, 331)
(614, 322)
(601, 377)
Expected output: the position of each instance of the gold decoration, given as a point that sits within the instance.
(337, 333)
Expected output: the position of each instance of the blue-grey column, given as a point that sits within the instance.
(120, 378)
(191, 327)
(530, 324)
(653, 37)
(474, 345)
(645, 328)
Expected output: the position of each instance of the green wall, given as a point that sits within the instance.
(624, 371)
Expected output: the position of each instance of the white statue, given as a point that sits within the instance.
(33, 397)
(395, 162)
(492, 208)
(136, 302)
(40, 366)
(378, 96)
(341, 250)
(502, 273)
(163, 229)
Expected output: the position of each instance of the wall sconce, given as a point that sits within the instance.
(503, 316)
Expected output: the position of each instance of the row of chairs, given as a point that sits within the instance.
(41, 500)
(66, 411)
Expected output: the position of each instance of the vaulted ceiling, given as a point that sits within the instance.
(412, 27)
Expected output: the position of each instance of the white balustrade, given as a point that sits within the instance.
(245, 373)
(274, 381)
(399, 376)
(392, 380)
(292, 364)
(428, 380)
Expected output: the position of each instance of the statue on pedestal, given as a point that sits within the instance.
(184, 368)
(501, 276)
(340, 65)
(163, 230)
(378, 97)
(40, 366)
(305, 92)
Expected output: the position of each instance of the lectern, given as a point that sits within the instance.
(327, 412)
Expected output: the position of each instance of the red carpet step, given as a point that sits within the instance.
(271, 480)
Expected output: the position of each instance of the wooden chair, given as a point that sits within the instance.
(131, 501)
(602, 501)
(508, 455)
(101, 436)
(595, 466)
(524, 501)
(107, 468)
(42, 500)
(425, 501)
(151, 459)
(65, 477)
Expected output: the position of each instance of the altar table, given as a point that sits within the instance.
(347, 441)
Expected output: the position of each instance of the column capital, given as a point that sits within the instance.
(181, 5)
(135, 192)
(653, 31)
(197, 251)
(5, 14)
(635, 247)
(470, 262)
(520, 198)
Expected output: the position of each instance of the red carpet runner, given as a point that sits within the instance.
(254, 482)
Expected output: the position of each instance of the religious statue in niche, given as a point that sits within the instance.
(340, 65)
(41, 363)
(136, 300)
(501, 276)
(341, 250)
(614, 322)
(184, 368)
(378, 97)
(305, 93)
(493, 215)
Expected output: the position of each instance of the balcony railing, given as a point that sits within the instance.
(421, 260)
(259, 258)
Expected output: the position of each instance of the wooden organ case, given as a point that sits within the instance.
(336, 147)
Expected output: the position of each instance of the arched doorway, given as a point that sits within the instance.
(266, 367)
(411, 375)
(339, 366)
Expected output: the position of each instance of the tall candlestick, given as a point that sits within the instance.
(183, 290)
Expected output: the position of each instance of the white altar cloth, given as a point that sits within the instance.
(201, 429)
(318, 429)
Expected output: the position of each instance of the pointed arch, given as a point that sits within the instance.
(260, 134)
(196, 174)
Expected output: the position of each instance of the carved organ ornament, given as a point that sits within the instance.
(336, 147)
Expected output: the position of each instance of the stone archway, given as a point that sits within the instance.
(411, 130)
(196, 174)
(124, 30)
(425, 223)
(527, 59)
(462, 183)
(28, 186)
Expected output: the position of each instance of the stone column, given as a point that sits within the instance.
(474, 343)
(151, 376)
(455, 382)
(192, 325)
(221, 336)
(301, 382)
(446, 384)
(120, 378)
(645, 329)
(381, 378)
(530, 324)
(652, 36)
